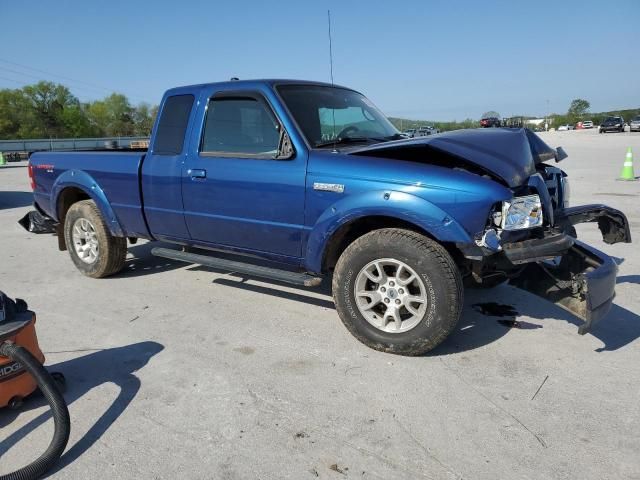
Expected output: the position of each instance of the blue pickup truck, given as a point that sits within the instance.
(314, 181)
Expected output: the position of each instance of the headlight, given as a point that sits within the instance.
(520, 213)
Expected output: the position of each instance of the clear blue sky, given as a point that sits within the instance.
(424, 59)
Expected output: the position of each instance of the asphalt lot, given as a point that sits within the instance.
(180, 371)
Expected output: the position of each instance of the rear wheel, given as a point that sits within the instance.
(93, 250)
(398, 291)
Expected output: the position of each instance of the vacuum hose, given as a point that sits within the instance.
(59, 411)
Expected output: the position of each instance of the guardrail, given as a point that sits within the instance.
(19, 148)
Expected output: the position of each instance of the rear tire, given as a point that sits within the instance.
(93, 250)
(419, 326)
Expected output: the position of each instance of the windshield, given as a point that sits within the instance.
(612, 119)
(332, 114)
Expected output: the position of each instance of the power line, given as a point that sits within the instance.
(38, 77)
(11, 80)
(94, 86)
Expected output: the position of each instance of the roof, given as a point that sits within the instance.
(251, 83)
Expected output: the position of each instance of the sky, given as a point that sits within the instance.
(425, 59)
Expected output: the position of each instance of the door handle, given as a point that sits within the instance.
(197, 173)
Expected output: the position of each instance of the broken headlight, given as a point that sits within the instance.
(519, 213)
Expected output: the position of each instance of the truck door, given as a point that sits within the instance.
(161, 175)
(236, 193)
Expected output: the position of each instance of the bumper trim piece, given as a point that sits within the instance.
(583, 283)
(537, 249)
(612, 223)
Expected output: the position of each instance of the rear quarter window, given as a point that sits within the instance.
(172, 125)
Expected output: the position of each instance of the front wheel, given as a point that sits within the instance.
(93, 250)
(398, 291)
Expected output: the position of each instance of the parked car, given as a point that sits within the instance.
(587, 124)
(410, 133)
(490, 122)
(426, 130)
(564, 128)
(396, 224)
(612, 124)
(634, 125)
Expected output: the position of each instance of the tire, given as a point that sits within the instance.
(109, 255)
(437, 280)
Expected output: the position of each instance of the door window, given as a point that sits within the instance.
(240, 127)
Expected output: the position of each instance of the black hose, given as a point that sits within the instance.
(59, 411)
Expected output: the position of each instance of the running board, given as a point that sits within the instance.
(285, 276)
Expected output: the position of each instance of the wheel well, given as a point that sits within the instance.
(68, 197)
(349, 232)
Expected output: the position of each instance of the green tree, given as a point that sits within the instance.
(491, 114)
(45, 105)
(12, 108)
(578, 109)
(143, 117)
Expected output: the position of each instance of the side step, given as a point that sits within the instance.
(285, 276)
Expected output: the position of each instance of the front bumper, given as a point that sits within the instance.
(559, 268)
(582, 282)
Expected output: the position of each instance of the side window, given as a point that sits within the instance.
(172, 126)
(240, 126)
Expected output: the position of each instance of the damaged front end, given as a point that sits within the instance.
(550, 262)
(582, 282)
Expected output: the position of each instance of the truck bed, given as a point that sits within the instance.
(111, 175)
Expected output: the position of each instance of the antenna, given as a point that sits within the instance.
(330, 46)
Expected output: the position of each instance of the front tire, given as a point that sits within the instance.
(93, 250)
(398, 291)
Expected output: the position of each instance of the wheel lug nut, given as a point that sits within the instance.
(400, 291)
(386, 300)
(382, 289)
(397, 301)
(391, 284)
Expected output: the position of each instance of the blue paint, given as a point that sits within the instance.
(268, 208)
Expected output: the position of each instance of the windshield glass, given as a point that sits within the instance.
(327, 114)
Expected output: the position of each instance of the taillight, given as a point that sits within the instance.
(32, 181)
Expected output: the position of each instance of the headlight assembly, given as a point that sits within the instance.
(520, 213)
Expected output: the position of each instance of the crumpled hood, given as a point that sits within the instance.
(510, 154)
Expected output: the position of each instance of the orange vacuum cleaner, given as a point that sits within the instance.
(22, 373)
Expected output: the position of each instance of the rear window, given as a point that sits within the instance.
(173, 125)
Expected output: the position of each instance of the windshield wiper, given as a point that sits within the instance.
(346, 140)
(395, 136)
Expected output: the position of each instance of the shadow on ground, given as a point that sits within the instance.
(15, 200)
(477, 327)
(114, 365)
(140, 261)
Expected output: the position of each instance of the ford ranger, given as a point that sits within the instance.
(313, 180)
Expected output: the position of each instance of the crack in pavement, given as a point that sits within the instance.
(502, 409)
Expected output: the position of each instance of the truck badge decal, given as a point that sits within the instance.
(329, 187)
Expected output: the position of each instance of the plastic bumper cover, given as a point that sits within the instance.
(582, 282)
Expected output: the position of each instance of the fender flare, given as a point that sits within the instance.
(85, 182)
(389, 203)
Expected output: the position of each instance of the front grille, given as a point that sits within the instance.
(554, 181)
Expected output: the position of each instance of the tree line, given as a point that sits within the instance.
(50, 110)
(579, 111)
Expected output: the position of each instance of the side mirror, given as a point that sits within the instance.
(285, 147)
(560, 154)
